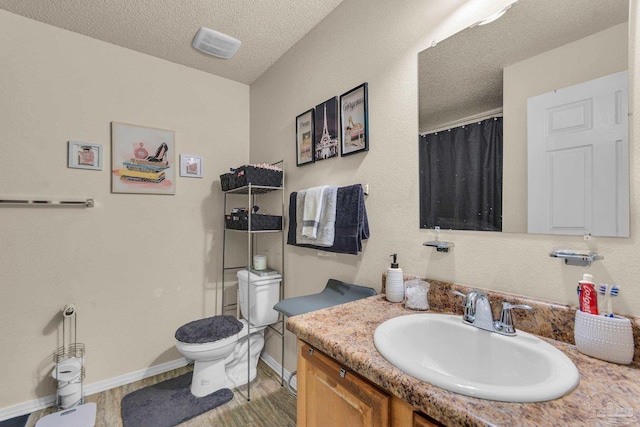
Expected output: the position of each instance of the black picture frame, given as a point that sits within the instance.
(327, 143)
(354, 119)
(305, 137)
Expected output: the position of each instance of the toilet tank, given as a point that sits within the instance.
(264, 294)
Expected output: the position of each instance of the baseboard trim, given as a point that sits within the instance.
(100, 386)
(93, 388)
(277, 368)
(27, 407)
(131, 377)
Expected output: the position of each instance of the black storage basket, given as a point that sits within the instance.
(259, 222)
(225, 181)
(245, 175)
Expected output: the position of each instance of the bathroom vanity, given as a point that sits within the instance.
(345, 377)
(331, 394)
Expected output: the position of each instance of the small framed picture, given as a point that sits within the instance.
(355, 121)
(83, 155)
(190, 166)
(327, 129)
(305, 153)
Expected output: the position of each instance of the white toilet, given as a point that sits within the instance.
(219, 345)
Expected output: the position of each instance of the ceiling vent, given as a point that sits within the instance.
(214, 43)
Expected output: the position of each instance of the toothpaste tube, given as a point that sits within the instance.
(588, 296)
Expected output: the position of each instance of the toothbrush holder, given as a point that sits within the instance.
(606, 338)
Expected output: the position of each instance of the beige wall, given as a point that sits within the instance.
(378, 42)
(562, 67)
(136, 266)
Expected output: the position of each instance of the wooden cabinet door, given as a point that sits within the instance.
(328, 396)
(405, 415)
(420, 421)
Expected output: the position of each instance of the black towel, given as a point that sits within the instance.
(352, 224)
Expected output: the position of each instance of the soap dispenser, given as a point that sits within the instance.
(395, 284)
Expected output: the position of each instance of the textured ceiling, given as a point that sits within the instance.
(464, 72)
(165, 28)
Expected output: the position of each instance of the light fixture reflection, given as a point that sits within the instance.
(492, 17)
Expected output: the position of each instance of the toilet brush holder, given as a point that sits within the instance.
(606, 338)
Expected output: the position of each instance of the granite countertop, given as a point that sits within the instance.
(608, 394)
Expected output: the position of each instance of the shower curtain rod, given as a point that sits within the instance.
(497, 112)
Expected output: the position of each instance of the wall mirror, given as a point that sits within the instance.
(534, 80)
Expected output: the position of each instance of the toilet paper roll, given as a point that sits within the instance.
(69, 310)
(259, 262)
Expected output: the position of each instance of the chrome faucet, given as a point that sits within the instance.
(477, 312)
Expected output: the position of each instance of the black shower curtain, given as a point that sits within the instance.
(461, 177)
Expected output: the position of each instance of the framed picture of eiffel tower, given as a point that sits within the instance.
(326, 129)
(355, 120)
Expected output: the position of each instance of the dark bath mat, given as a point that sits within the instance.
(20, 421)
(168, 403)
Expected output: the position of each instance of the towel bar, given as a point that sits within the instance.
(88, 203)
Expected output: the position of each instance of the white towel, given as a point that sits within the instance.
(311, 215)
(299, 213)
(327, 222)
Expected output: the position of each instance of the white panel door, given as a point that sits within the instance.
(578, 161)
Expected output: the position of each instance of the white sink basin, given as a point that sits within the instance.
(441, 350)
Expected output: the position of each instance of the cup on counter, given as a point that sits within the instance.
(259, 262)
(416, 294)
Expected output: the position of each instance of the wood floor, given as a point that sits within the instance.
(271, 404)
